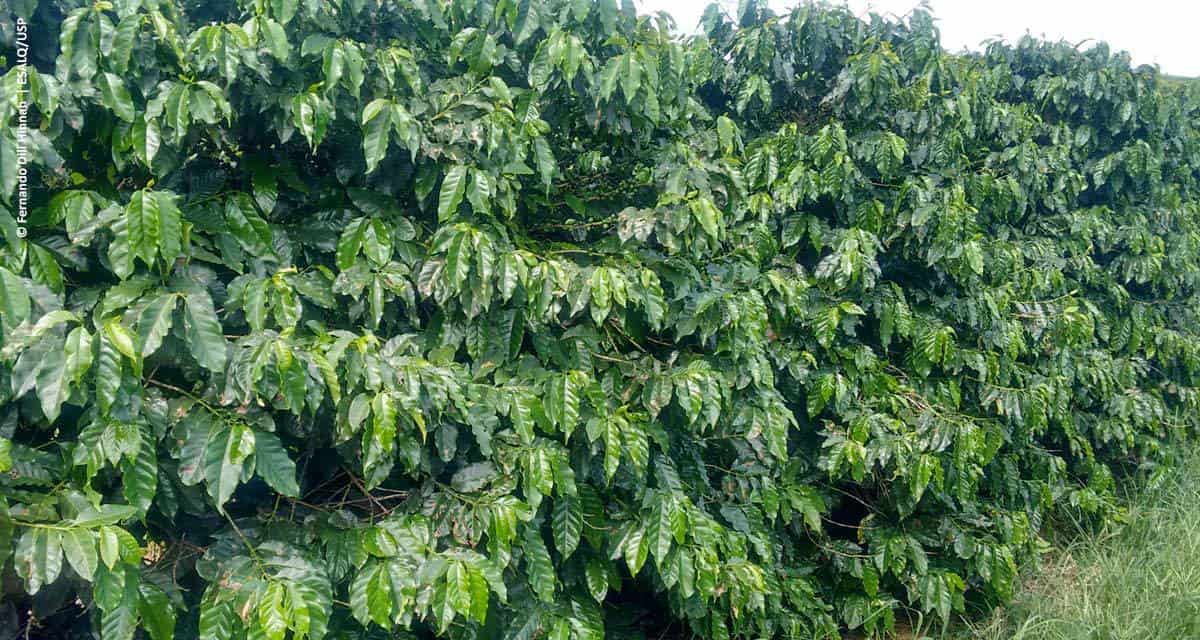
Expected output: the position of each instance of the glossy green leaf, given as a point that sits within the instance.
(204, 333)
(116, 97)
(539, 566)
(274, 464)
(567, 524)
(79, 546)
(454, 186)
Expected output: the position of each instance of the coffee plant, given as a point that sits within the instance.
(531, 319)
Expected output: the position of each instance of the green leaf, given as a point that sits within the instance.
(334, 64)
(350, 243)
(157, 613)
(635, 548)
(139, 476)
(631, 76)
(355, 66)
(110, 547)
(53, 381)
(216, 618)
(379, 598)
(177, 110)
(479, 192)
(121, 338)
(377, 127)
(44, 268)
(171, 228)
(123, 41)
(567, 524)
(652, 298)
(155, 322)
(223, 456)
(271, 616)
(596, 574)
(453, 188)
(276, 38)
(547, 167)
(120, 622)
(377, 242)
(274, 464)
(540, 67)
(204, 334)
(479, 595)
(360, 606)
(144, 225)
(37, 558)
(251, 231)
(120, 252)
(380, 438)
(14, 298)
(540, 568)
(311, 116)
(254, 304)
(562, 401)
(612, 447)
(707, 214)
(79, 545)
(458, 588)
(659, 530)
(116, 97)
(473, 477)
(109, 372)
(105, 514)
(284, 10)
(458, 259)
(146, 140)
(108, 588)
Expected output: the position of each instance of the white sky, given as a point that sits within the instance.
(1162, 32)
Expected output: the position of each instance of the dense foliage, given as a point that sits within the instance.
(525, 318)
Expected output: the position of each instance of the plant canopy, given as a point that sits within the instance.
(534, 319)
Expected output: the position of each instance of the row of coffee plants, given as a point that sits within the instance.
(530, 319)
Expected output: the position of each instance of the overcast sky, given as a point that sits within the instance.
(1162, 32)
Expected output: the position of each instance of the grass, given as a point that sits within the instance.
(1140, 580)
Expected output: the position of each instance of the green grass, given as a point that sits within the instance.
(1133, 581)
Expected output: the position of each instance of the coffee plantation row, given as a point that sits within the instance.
(530, 319)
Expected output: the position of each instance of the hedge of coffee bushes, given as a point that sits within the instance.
(534, 319)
